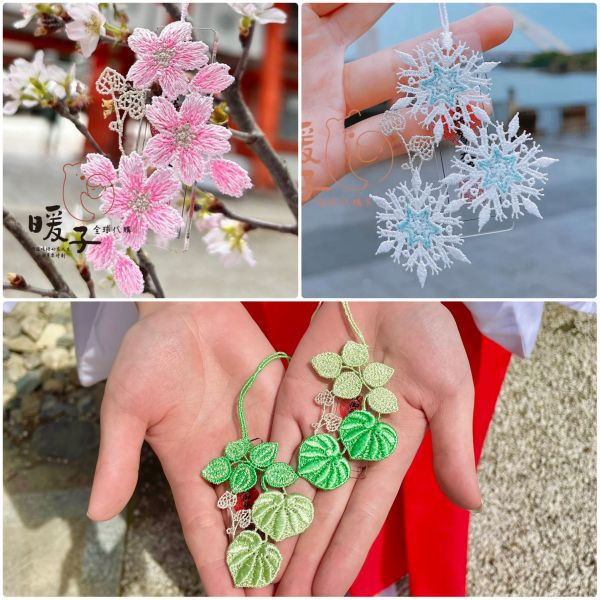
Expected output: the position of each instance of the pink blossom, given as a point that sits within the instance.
(166, 58)
(186, 137)
(141, 202)
(101, 256)
(99, 170)
(128, 276)
(229, 241)
(229, 177)
(212, 79)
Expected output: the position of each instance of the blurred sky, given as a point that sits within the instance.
(573, 23)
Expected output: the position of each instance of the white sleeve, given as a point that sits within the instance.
(99, 328)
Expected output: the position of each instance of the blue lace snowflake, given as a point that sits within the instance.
(499, 172)
(441, 85)
(418, 226)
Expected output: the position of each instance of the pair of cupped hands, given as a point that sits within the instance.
(175, 383)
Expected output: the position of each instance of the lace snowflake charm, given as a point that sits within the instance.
(442, 84)
(419, 227)
(500, 172)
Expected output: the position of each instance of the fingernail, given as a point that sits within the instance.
(477, 510)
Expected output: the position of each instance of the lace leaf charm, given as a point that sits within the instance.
(355, 355)
(321, 463)
(234, 451)
(347, 385)
(252, 562)
(366, 438)
(327, 364)
(243, 477)
(227, 500)
(377, 374)
(217, 471)
(282, 516)
(262, 455)
(382, 400)
(280, 475)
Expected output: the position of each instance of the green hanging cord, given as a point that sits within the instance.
(246, 387)
(352, 323)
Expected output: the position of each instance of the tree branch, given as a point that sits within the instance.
(35, 290)
(257, 139)
(152, 283)
(41, 260)
(258, 223)
(63, 111)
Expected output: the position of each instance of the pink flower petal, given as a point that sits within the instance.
(190, 164)
(162, 114)
(213, 139)
(175, 33)
(160, 149)
(173, 82)
(99, 170)
(138, 228)
(196, 110)
(143, 72)
(102, 255)
(212, 79)
(108, 200)
(132, 172)
(143, 41)
(128, 276)
(191, 55)
(162, 186)
(229, 177)
(164, 220)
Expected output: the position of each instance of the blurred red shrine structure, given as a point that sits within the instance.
(270, 84)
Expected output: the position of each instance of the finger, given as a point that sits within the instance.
(325, 8)
(368, 507)
(121, 439)
(202, 525)
(352, 20)
(452, 445)
(372, 80)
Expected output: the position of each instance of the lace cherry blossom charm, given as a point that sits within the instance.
(500, 172)
(441, 84)
(418, 225)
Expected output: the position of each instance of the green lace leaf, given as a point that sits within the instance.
(280, 475)
(355, 355)
(217, 470)
(243, 478)
(327, 364)
(234, 451)
(281, 516)
(321, 463)
(347, 385)
(252, 562)
(383, 401)
(262, 455)
(377, 374)
(366, 438)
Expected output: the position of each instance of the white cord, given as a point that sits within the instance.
(446, 33)
(184, 10)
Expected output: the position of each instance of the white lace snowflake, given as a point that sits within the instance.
(499, 171)
(417, 224)
(442, 84)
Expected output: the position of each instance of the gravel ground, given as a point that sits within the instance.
(536, 535)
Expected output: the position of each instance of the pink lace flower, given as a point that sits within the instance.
(126, 272)
(166, 58)
(186, 137)
(141, 202)
(212, 79)
(99, 170)
(229, 177)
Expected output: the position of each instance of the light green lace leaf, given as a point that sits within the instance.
(262, 455)
(321, 463)
(280, 475)
(377, 374)
(281, 516)
(366, 438)
(382, 400)
(243, 478)
(217, 470)
(355, 355)
(252, 562)
(347, 385)
(234, 451)
(327, 364)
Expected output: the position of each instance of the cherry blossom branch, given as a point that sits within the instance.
(35, 290)
(256, 223)
(152, 283)
(63, 111)
(41, 260)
